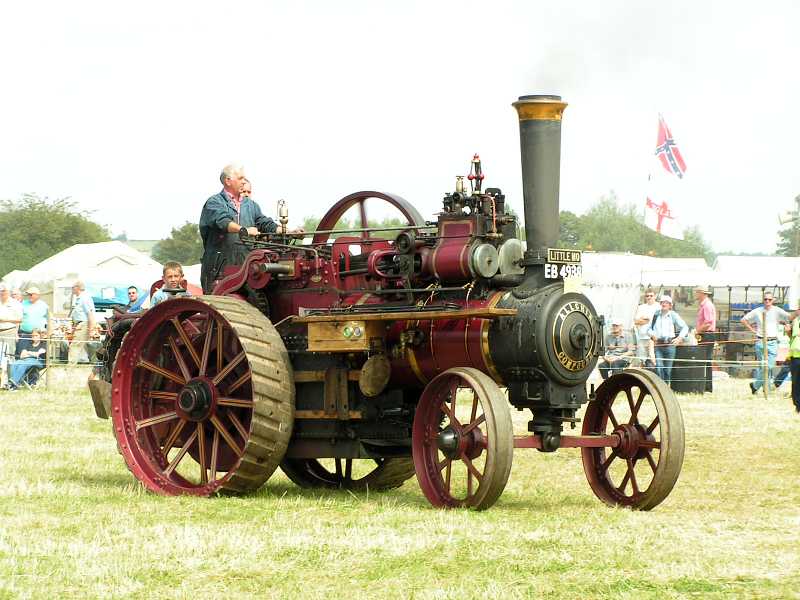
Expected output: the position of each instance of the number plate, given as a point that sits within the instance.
(562, 271)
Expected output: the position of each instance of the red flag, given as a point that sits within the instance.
(667, 152)
(658, 216)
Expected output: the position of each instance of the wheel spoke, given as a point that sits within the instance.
(179, 358)
(226, 436)
(179, 457)
(162, 418)
(239, 382)
(229, 368)
(172, 437)
(473, 424)
(186, 341)
(624, 483)
(651, 444)
(238, 424)
(362, 208)
(607, 462)
(240, 402)
(471, 467)
(653, 425)
(348, 470)
(339, 469)
(447, 474)
(160, 371)
(206, 349)
(635, 411)
(632, 470)
(220, 351)
(201, 450)
(214, 455)
(630, 402)
(474, 412)
(157, 395)
(610, 414)
(650, 461)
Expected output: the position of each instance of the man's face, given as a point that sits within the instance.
(649, 297)
(616, 328)
(133, 295)
(172, 278)
(4, 295)
(33, 297)
(76, 290)
(36, 337)
(768, 301)
(665, 306)
(247, 189)
(233, 184)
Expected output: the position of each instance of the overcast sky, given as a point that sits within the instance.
(132, 108)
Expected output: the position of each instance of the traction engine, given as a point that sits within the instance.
(363, 357)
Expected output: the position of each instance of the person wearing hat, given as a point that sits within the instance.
(619, 347)
(84, 322)
(706, 328)
(10, 317)
(34, 313)
(667, 330)
(764, 321)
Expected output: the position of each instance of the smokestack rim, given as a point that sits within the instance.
(539, 107)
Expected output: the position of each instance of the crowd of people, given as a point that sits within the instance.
(658, 330)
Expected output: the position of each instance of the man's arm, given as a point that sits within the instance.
(746, 321)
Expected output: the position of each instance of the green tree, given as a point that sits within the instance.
(34, 228)
(789, 240)
(184, 245)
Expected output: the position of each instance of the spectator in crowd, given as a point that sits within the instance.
(619, 349)
(763, 322)
(667, 330)
(783, 341)
(705, 328)
(16, 294)
(133, 299)
(34, 313)
(173, 283)
(32, 353)
(641, 320)
(10, 318)
(84, 322)
(794, 361)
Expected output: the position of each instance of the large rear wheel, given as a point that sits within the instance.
(203, 397)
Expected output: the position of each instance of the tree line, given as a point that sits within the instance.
(33, 228)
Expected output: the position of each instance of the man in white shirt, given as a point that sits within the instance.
(763, 321)
(641, 320)
(10, 318)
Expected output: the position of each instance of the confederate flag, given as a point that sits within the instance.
(667, 152)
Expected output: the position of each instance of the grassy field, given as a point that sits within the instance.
(74, 522)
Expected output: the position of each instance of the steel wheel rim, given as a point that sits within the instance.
(642, 411)
(183, 410)
(386, 473)
(444, 442)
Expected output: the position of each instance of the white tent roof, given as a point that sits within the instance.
(109, 255)
(624, 269)
(756, 271)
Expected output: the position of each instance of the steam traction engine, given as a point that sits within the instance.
(361, 360)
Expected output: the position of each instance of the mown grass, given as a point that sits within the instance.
(74, 522)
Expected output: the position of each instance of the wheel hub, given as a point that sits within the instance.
(630, 438)
(196, 399)
(453, 442)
